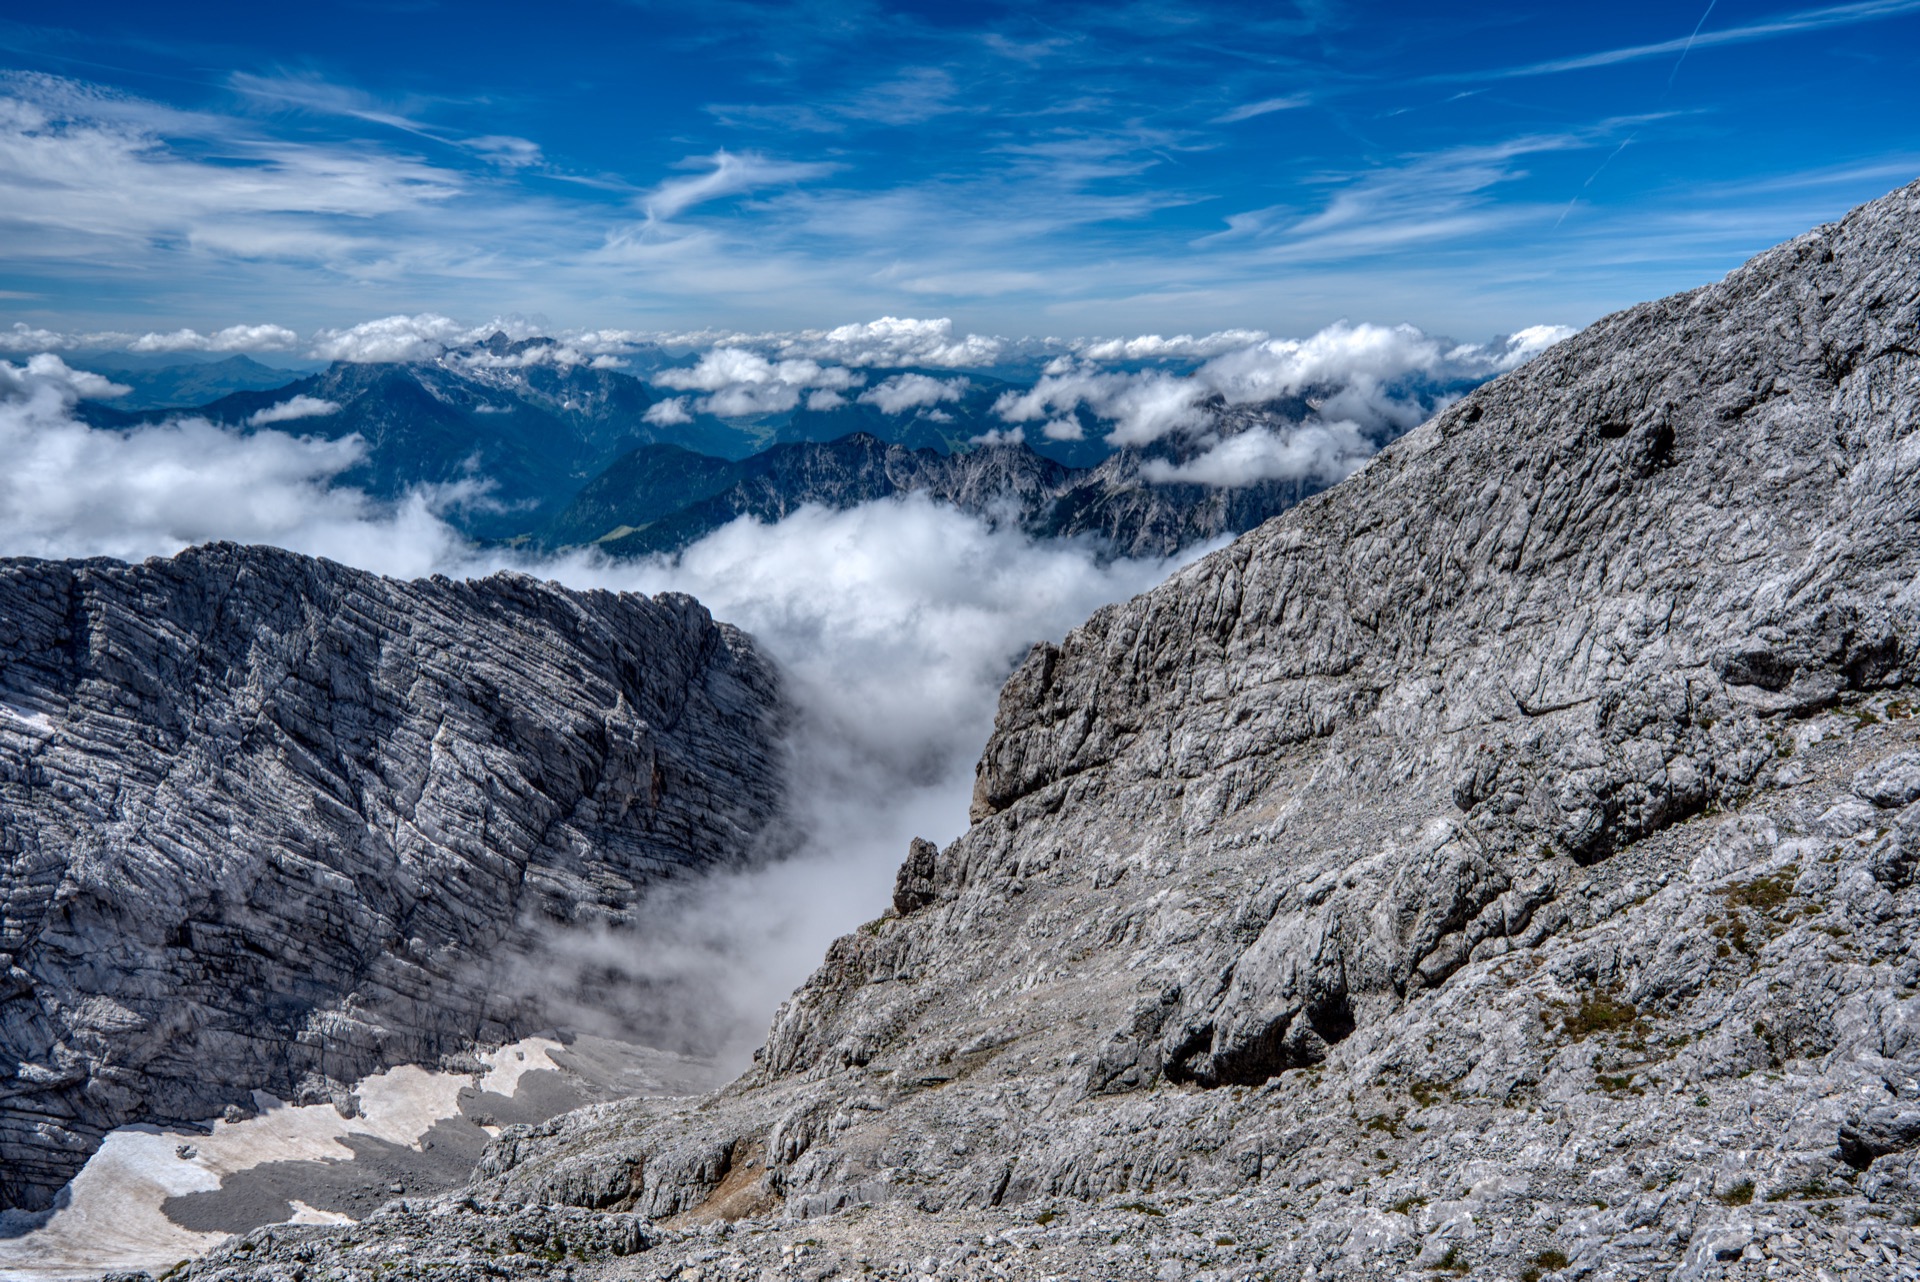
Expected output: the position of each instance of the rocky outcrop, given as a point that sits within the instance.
(270, 823)
(1505, 859)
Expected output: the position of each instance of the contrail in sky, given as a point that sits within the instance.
(1595, 174)
(1690, 39)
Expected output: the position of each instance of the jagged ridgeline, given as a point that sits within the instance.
(1505, 859)
(270, 823)
(661, 498)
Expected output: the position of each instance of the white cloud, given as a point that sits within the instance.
(1336, 357)
(1266, 106)
(1359, 373)
(1767, 28)
(730, 174)
(29, 338)
(234, 338)
(90, 173)
(904, 392)
(1352, 372)
(1514, 350)
(1324, 452)
(895, 341)
(1063, 429)
(286, 411)
(559, 355)
(394, 338)
(822, 401)
(608, 342)
(725, 367)
(745, 400)
(999, 436)
(1354, 367)
(505, 150)
(1142, 407)
(895, 624)
(1153, 347)
(721, 367)
(46, 379)
(71, 490)
(667, 413)
(743, 383)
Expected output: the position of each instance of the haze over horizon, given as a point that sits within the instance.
(1095, 170)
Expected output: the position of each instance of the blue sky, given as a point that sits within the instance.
(1062, 169)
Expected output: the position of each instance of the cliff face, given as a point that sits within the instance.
(271, 823)
(1507, 856)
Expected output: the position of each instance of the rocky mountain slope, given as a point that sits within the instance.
(525, 426)
(521, 424)
(532, 433)
(659, 498)
(1503, 864)
(270, 823)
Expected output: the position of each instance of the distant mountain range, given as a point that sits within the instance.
(661, 498)
(157, 387)
(555, 452)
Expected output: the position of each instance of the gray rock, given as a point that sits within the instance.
(913, 886)
(1418, 878)
(1892, 783)
(271, 823)
(1876, 1132)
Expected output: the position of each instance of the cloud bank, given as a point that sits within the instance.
(897, 341)
(394, 338)
(1362, 385)
(896, 623)
(72, 490)
(1152, 347)
(1317, 451)
(1326, 402)
(21, 337)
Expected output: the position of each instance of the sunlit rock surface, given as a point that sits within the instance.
(1505, 861)
(269, 823)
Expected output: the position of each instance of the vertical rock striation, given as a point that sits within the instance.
(270, 823)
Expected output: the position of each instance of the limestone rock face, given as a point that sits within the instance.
(1505, 858)
(269, 823)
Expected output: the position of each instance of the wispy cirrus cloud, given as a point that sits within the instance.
(86, 168)
(1266, 106)
(305, 91)
(728, 174)
(1192, 168)
(910, 96)
(1786, 24)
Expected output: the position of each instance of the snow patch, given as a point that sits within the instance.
(110, 1217)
